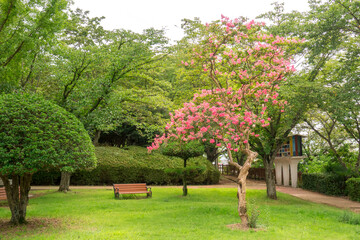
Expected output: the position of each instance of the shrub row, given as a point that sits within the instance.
(353, 188)
(329, 184)
(133, 165)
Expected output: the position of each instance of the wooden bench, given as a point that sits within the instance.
(2, 193)
(132, 188)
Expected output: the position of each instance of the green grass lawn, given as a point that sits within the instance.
(204, 214)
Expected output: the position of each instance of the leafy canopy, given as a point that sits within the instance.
(37, 134)
(235, 54)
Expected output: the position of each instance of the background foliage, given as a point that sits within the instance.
(133, 164)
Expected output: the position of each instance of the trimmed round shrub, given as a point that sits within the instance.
(36, 134)
(183, 150)
(133, 165)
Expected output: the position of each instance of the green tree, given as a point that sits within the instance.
(240, 56)
(26, 29)
(107, 78)
(295, 91)
(183, 151)
(37, 134)
(272, 136)
(330, 58)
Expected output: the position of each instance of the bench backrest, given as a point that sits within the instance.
(2, 194)
(136, 187)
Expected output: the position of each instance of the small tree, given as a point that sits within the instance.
(183, 151)
(243, 56)
(36, 134)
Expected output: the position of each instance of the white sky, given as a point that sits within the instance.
(137, 15)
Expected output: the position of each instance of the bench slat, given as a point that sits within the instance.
(3, 193)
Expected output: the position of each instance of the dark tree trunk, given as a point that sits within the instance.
(185, 190)
(270, 176)
(17, 195)
(96, 137)
(212, 154)
(65, 182)
(240, 158)
(357, 165)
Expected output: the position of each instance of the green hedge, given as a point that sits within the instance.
(329, 184)
(353, 188)
(131, 165)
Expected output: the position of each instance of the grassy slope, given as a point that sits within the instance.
(204, 214)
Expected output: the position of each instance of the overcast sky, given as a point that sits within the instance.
(137, 15)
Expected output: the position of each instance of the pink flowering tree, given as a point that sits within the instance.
(245, 66)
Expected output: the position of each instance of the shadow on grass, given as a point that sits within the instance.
(131, 196)
(33, 225)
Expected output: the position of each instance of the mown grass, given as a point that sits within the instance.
(204, 214)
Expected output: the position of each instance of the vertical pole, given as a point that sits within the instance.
(294, 172)
(278, 172)
(286, 173)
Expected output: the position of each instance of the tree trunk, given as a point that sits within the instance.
(185, 190)
(357, 165)
(96, 137)
(65, 182)
(211, 153)
(241, 190)
(17, 199)
(242, 209)
(270, 177)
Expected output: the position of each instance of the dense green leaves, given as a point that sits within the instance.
(36, 134)
(183, 150)
(331, 184)
(330, 64)
(27, 28)
(353, 188)
(134, 165)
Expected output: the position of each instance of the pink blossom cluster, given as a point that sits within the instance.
(240, 55)
(236, 51)
(218, 115)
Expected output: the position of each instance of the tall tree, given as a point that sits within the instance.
(26, 28)
(330, 56)
(99, 75)
(274, 135)
(37, 134)
(233, 53)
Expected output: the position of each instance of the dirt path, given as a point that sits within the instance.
(339, 202)
(229, 182)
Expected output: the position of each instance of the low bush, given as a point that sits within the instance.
(329, 184)
(134, 164)
(353, 188)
